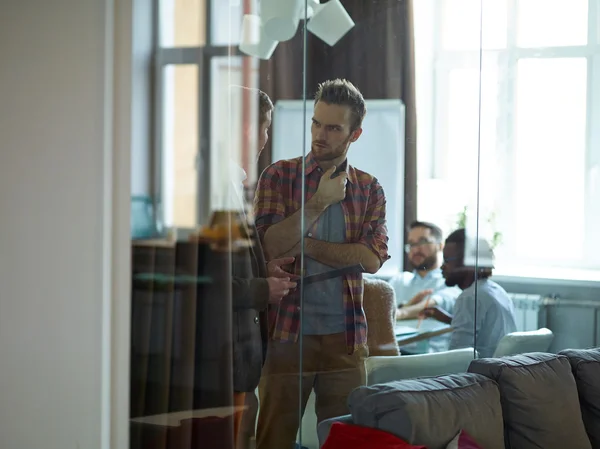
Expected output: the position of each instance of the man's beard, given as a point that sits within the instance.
(335, 153)
(451, 281)
(427, 264)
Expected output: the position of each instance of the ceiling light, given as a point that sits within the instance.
(330, 22)
(254, 41)
(280, 18)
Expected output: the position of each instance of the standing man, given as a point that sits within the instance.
(425, 285)
(494, 317)
(255, 284)
(344, 224)
(265, 116)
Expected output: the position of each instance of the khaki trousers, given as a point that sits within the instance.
(326, 367)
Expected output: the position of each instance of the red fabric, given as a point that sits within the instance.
(465, 441)
(348, 436)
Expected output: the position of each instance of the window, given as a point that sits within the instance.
(182, 23)
(228, 15)
(180, 144)
(196, 119)
(524, 110)
(550, 102)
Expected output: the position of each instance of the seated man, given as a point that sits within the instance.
(424, 286)
(495, 314)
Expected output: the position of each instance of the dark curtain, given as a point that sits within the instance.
(181, 384)
(377, 55)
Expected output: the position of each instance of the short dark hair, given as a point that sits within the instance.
(435, 230)
(459, 238)
(265, 105)
(342, 92)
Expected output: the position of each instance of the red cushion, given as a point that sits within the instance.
(463, 441)
(348, 436)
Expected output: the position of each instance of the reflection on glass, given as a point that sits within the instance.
(180, 145)
(182, 23)
(233, 125)
(501, 149)
(551, 23)
(550, 149)
(461, 24)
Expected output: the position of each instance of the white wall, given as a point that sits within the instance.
(64, 192)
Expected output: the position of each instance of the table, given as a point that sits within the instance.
(418, 339)
(212, 427)
(174, 419)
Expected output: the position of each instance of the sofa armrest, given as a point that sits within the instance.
(325, 425)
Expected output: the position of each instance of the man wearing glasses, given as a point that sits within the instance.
(424, 286)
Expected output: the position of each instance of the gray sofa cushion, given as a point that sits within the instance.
(539, 401)
(585, 364)
(430, 411)
(324, 426)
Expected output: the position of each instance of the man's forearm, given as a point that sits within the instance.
(339, 255)
(412, 311)
(281, 237)
(444, 316)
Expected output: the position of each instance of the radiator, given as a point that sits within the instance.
(530, 311)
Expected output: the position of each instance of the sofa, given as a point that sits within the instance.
(527, 401)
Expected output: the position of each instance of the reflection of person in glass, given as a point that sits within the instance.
(255, 285)
(344, 224)
(495, 315)
(425, 285)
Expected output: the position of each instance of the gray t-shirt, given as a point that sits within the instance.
(323, 302)
(495, 317)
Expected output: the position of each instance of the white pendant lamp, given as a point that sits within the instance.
(280, 18)
(311, 7)
(254, 41)
(330, 22)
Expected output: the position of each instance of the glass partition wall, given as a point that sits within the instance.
(379, 203)
(355, 192)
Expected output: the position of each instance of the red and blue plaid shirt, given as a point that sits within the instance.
(279, 195)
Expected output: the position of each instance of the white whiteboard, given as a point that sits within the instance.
(379, 151)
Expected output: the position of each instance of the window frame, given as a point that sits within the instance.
(200, 56)
(444, 61)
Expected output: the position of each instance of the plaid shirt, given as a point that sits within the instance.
(279, 195)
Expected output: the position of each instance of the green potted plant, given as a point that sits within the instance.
(496, 238)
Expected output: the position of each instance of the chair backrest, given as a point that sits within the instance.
(379, 302)
(387, 369)
(523, 342)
